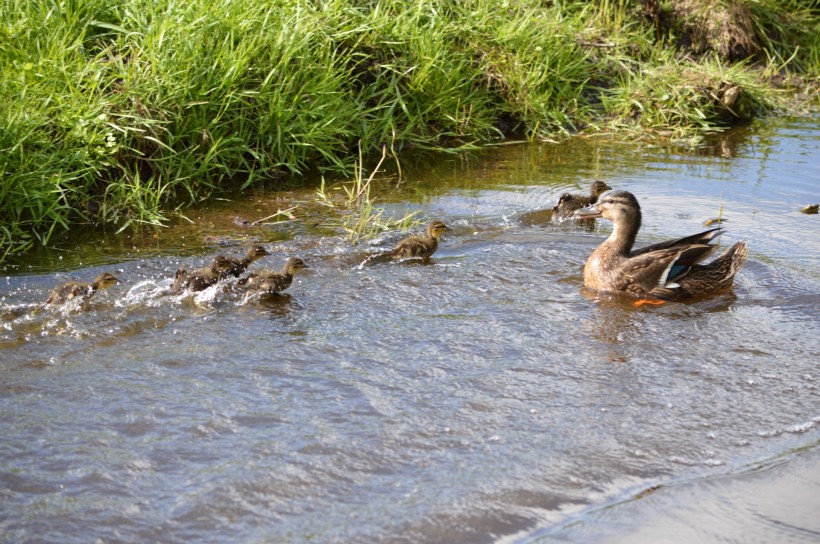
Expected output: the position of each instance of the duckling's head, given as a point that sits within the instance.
(294, 265)
(105, 280)
(598, 187)
(617, 206)
(436, 228)
(256, 252)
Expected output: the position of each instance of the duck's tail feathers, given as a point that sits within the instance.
(736, 255)
(717, 275)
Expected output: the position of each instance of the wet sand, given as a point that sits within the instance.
(775, 502)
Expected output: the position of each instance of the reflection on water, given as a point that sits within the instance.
(485, 395)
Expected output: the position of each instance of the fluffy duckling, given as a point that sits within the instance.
(202, 278)
(421, 247)
(73, 289)
(272, 282)
(568, 203)
(665, 271)
(239, 266)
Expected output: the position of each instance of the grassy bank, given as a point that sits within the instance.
(116, 112)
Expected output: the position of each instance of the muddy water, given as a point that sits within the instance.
(484, 396)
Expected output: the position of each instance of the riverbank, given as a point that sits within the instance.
(121, 113)
(770, 502)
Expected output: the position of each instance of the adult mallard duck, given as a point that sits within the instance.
(568, 203)
(664, 271)
(239, 266)
(272, 282)
(200, 279)
(73, 289)
(420, 247)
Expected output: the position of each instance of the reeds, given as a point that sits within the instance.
(360, 219)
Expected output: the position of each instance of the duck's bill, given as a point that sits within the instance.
(588, 212)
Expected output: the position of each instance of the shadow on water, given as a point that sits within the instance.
(484, 395)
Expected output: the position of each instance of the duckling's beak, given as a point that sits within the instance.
(589, 212)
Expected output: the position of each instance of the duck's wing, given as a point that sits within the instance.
(700, 238)
(415, 246)
(234, 267)
(69, 291)
(648, 272)
(58, 295)
(273, 283)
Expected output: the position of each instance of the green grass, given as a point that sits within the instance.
(119, 112)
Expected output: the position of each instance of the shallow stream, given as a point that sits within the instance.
(484, 396)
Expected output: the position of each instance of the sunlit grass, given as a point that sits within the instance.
(120, 112)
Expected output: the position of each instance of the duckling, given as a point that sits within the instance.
(272, 282)
(421, 247)
(665, 271)
(202, 278)
(239, 266)
(568, 203)
(73, 289)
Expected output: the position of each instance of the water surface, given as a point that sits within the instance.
(483, 396)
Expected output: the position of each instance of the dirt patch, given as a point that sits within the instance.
(725, 27)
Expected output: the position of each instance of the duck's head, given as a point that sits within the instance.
(256, 252)
(598, 187)
(436, 228)
(617, 206)
(294, 265)
(105, 280)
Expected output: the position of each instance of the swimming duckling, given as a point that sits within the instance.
(73, 289)
(239, 266)
(421, 247)
(202, 278)
(568, 203)
(272, 282)
(664, 271)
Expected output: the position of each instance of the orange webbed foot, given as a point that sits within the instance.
(648, 302)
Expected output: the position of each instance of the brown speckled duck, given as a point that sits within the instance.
(420, 247)
(239, 266)
(200, 279)
(569, 203)
(665, 271)
(73, 289)
(272, 282)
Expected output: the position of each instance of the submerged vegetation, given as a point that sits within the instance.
(116, 112)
